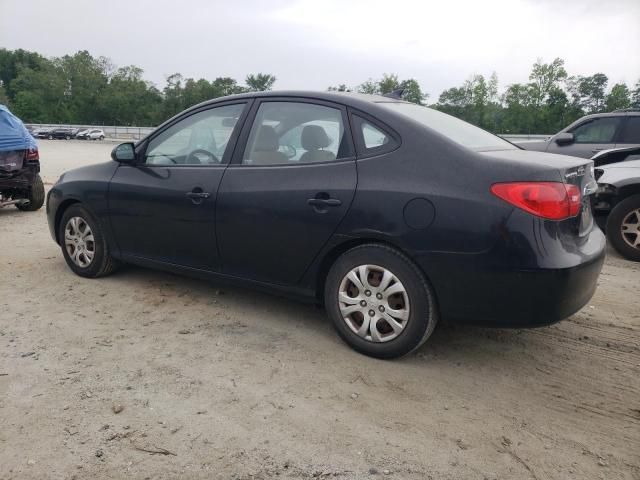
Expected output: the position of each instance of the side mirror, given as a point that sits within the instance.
(124, 153)
(564, 138)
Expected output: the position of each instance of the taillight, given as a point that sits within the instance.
(552, 200)
(32, 154)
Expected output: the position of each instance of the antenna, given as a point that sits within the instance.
(397, 94)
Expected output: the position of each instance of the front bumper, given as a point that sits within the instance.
(52, 203)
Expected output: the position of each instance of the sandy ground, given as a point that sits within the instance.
(218, 382)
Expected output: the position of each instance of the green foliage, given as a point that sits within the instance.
(618, 97)
(548, 103)
(388, 83)
(260, 82)
(82, 89)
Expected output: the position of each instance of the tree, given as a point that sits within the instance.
(389, 83)
(545, 77)
(4, 100)
(340, 88)
(618, 97)
(260, 82)
(635, 96)
(589, 92)
(369, 87)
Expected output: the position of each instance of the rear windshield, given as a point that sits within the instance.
(457, 130)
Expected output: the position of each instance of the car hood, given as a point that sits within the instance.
(631, 164)
(620, 174)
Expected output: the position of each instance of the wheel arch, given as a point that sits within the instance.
(334, 253)
(60, 212)
(628, 191)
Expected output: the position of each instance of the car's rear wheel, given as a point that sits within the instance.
(623, 228)
(50, 137)
(379, 302)
(83, 244)
(35, 196)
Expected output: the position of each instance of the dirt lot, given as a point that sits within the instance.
(218, 382)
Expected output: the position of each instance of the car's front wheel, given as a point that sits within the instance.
(623, 228)
(379, 301)
(83, 244)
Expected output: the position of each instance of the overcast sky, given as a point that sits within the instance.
(311, 44)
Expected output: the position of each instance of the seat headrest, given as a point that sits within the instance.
(314, 137)
(267, 140)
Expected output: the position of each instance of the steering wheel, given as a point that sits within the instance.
(193, 158)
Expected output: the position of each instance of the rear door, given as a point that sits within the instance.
(163, 207)
(286, 191)
(630, 133)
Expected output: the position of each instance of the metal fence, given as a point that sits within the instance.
(110, 131)
(136, 133)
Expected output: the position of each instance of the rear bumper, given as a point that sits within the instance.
(527, 298)
(504, 288)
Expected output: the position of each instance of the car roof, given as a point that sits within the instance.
(352, 99)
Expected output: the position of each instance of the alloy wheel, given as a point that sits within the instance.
(630, 228)
(79, 242)
(374, 303)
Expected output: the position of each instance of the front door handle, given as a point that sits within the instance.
(197, 196)
(324, 202)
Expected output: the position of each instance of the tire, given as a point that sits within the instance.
(67, 137)
(621, 236)
(101, 263)
(417, 302)
(50, 137)
(35, 196)
(101, 137)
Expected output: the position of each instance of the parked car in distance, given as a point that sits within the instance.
(91, 134)
(391, 214)
(61, 134)
(592, 134)
(42, 132)
(616, 204)
(81, 133)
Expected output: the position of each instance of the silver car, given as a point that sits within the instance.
(593, 133)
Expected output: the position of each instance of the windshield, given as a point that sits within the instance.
(457, 130)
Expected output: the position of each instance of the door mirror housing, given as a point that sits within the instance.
(124, 153)
(565, 138)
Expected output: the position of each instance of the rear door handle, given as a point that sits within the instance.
(324, 202)
(198, 194)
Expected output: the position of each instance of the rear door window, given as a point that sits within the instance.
(630, 131)
(372, 138)
(286, 133)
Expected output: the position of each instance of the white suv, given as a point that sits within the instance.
(94, 134)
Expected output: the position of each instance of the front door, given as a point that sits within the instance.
(590, 137)
(284, 195)
(162, 208)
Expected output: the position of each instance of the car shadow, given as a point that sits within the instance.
(448, 343)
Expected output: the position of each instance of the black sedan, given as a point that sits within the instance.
(391, 214)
